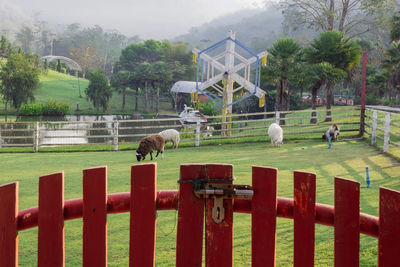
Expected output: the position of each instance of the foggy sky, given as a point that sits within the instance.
(157, 19)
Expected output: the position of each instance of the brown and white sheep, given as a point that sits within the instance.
(333, 132)
(148, 145)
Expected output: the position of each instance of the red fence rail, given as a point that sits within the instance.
(144, 199)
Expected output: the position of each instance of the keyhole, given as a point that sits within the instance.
(218, 212)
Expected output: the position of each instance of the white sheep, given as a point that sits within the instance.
(171, 135)
(276, 134)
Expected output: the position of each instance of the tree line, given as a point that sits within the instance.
(329, 63)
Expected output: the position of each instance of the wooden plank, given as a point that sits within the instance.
(263, 216)
(389, 227)
(51, 248)
(189, 240)
(95, 217)
(142, 241)
(219, 236)
(8, 224)
(347, 223)
(304, 219)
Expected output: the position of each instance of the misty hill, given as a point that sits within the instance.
(257, 29)
(11, 19)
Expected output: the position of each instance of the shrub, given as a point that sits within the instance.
(31, 110)
(209, 108)
(49, 108)
(54, 108)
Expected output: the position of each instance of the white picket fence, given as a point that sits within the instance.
(389, 127)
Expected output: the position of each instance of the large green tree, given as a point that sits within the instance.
(340, 52)
(283, 65)
(19, 77)
(99, 91)
(120, 81)
(154, 66)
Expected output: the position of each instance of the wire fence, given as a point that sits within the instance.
(114, 133)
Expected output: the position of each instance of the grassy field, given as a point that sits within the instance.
(345, 159)
(65, 88)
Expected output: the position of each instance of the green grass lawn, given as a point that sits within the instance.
(345, 159)
(65, 88)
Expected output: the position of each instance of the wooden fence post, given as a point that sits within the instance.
(277, 117)
(386, 137)
(36, 137)
(8, 225)
(198, 133)
(115, 140)
(374, 125)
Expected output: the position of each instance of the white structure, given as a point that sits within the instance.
(229, 73)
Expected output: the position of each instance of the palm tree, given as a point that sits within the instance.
(340, 52)
(284, 58)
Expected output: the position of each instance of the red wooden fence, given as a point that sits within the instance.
(264, 207)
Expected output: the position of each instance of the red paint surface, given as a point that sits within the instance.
(219, 236)
(389, 228)
(51, 221)
(347, 223)
(142, 241)
(304, 219)
(95, 217)
(8, 225)
(263, 216)
(189, 240)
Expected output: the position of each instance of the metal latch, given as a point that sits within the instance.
(223, 191)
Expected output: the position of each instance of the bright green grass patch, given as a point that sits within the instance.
(65, 88)
(345, 159)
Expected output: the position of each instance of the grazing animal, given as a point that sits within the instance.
(209, 131)
(333, 132)
(171, 135)
(148, 145)
(275, 132)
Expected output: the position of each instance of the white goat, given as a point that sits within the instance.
(276, 134)
(171, 135)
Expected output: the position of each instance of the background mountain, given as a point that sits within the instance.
(11, 19)
(257, 29)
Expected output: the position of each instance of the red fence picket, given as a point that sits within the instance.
(189, 239)
(263, 216)
(143, 201)
(8, 224)
(304, 219)
(347, 223)
(219, 236)
(51, 220)
(142, 242)
(95, 217)
(389, 228)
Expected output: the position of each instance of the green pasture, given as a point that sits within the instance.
(65, 88)
(346, 159)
